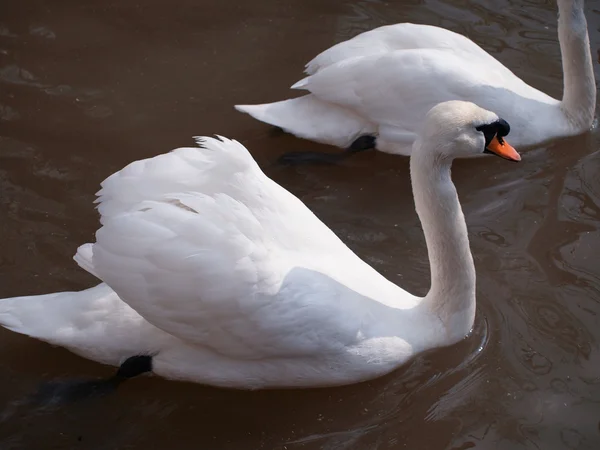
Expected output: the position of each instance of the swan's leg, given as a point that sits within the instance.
(366, 142)
(65, 391)
(134, 366)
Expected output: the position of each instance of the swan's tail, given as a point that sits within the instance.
(49, 317)
(55, 317)
(310, 118)
(94, 323)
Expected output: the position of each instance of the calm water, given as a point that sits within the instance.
(88, 86)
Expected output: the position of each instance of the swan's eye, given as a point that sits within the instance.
(499, 129)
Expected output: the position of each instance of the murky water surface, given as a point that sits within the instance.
(88, 86)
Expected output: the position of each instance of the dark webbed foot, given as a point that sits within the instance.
(65, 391)
(134, 366)
(366, 142)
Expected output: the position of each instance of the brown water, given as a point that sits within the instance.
(88, 86)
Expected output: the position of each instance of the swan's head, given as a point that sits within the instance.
(458, 129)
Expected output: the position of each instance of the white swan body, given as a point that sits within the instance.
(382, 82)
(225, 278)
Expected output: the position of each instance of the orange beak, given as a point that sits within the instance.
(503, 149)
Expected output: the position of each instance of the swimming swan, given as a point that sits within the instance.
(213, 273)
(372, 90)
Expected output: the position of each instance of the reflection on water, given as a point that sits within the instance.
(87, 87)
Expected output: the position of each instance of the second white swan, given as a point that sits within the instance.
(372, 90)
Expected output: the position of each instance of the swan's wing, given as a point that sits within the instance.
(396, 89)
(209, 169)
(403, 36)
(206, 247)
(217, 167)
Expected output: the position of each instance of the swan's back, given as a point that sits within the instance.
(402, 36)
(225, 172)
(214, 168)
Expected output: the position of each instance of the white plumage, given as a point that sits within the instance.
(382, 82)
(226, 278)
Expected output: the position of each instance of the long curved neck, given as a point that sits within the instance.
(452, 294)
(579, 94)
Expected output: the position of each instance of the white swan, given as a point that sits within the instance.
(371, 91)
(214, 273)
